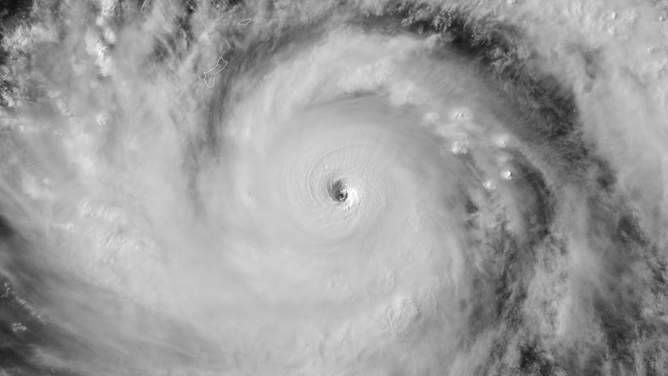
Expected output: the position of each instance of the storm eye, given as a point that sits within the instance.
(339, 191)
(341, 196)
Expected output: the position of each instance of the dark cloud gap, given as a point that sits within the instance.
(12, 12)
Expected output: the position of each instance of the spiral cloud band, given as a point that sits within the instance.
(342, 188)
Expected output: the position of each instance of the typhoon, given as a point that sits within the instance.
(333, 188)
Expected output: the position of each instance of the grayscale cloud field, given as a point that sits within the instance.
(333, 188)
